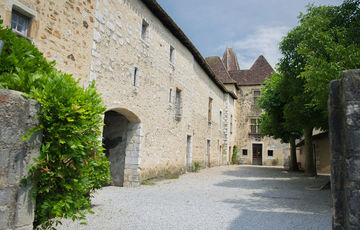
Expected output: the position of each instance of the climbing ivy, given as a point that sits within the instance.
(71, 164)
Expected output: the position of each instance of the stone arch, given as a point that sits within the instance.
(122, 140)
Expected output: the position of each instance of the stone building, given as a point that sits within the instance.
(166, 108)
(254, 148)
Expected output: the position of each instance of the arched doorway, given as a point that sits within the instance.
(121, 140)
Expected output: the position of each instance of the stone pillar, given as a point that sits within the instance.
(344, 135)
(17, 115)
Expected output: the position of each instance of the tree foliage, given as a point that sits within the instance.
(325, 43)
(71, 163)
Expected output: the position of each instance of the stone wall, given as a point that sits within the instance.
(248, 110)
(17, 115)
(344, 135)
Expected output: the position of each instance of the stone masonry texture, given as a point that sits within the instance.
(344, 133)
(102, 41)
(17, 115)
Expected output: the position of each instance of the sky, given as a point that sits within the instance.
(250, 27)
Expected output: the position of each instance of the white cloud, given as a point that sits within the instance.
(265, 41)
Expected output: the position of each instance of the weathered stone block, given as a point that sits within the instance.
(24, 207)
(344, 126)
(4, 217)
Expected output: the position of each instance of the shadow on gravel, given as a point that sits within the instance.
(278, 200)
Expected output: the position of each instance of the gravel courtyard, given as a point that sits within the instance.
(227, 197)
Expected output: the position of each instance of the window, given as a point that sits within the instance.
(170, 95)
(254, 126)
(220, 119)
(210, 110)
(172, 54)
(135, 77)
(256, 95)
(178, 103)
(20, 23)
(244, 152)
(270, 153)
(231, 124)
(144, 29)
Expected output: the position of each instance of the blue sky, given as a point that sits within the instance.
(250, 27)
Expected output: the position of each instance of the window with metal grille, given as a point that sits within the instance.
(20, 23)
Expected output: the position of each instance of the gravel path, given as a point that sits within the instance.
(228, 197)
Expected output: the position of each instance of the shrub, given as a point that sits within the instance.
(234, 158)
(196, 166)
(71, 163)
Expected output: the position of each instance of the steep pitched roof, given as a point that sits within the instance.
(230, 60)
(219, 69)
(256, 75)
(169, 23)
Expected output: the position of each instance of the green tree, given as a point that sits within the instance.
(273, 99)
(71, 163)
(325, 43)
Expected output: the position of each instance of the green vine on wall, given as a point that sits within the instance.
(71, 164)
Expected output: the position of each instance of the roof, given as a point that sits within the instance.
(314, 137)
(219, 69)
(169, 23)
(230, 60)
(256, 75)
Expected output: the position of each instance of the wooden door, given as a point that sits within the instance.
(257, 154)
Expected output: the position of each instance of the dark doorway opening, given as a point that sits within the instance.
(114, 141)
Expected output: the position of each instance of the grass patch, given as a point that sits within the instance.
(172, 175)
(147, 182)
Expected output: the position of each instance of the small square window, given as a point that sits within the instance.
(172, 54)
(244, 152)
(270, 153)
(144, 29)
(20, 23)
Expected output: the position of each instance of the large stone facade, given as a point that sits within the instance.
(178, 110)
(17, 115)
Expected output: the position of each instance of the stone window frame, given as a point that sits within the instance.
(242, 152)
(24, 11)
(221, 117)
(210, 105)
(144, 29)
(255, 95)
(267, 153)
(172, 54)
(256, 125)
(178, 104)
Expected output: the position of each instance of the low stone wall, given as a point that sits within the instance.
(17, 114)
(344, 135)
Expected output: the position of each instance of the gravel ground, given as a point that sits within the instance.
(228, 197)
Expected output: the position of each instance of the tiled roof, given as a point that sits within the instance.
(259, 71)
(219, 69)
(230, 60)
